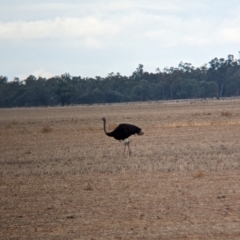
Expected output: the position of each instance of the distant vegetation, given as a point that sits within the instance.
(221, 78)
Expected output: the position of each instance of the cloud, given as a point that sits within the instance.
(230, 35)
(96, 37)
(229, 31)
(92, 43)
(42, 73)
(56, 28)
(111, 22)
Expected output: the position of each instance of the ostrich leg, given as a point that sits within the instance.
(124, 149)
(129, 150)
(126, 143)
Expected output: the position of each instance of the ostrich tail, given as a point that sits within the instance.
(126, 141)
(140, 133)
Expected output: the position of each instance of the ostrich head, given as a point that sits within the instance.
(104, 119)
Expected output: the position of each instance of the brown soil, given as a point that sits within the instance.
(61, 177)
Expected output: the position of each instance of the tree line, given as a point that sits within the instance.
(220, 78)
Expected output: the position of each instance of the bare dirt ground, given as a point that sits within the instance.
(61, 177)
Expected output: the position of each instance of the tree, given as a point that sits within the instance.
(221, 70)
(208, 89)
(113, 97)
(218, 79)
(138, 73)
(3, 80)
(30, 81)
(233, 86)
(64, 93)
(189, 88)
(172, 76)
(3, 90)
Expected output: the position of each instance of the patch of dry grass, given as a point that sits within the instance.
(175, 139)
(46, 129)
(180, 182)
(226, 114)
(199, 174)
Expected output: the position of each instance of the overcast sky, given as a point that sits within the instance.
(91, 38)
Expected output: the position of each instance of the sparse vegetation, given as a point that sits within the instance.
(199, 175)
(46, 129)
(73, 182)
(226, 114)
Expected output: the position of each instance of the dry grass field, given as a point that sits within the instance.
(61, 177)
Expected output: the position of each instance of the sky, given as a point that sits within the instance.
(90, 38)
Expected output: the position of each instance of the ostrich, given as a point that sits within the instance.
(122, 133)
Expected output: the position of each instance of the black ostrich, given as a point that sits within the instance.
(122, 133)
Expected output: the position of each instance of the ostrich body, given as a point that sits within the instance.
(122, 132)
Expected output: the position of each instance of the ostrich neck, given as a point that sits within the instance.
(104, 127)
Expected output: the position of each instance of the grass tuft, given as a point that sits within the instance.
(89, 186)
(199, 175)
(46, 129)
(8, 126)
(226, 114)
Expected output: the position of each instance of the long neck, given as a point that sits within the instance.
(104, 128)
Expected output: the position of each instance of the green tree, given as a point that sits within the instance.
(208, 89)
(114, 96)
(233, 86)
(138, 73)
(172, 76)
(189, 88)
